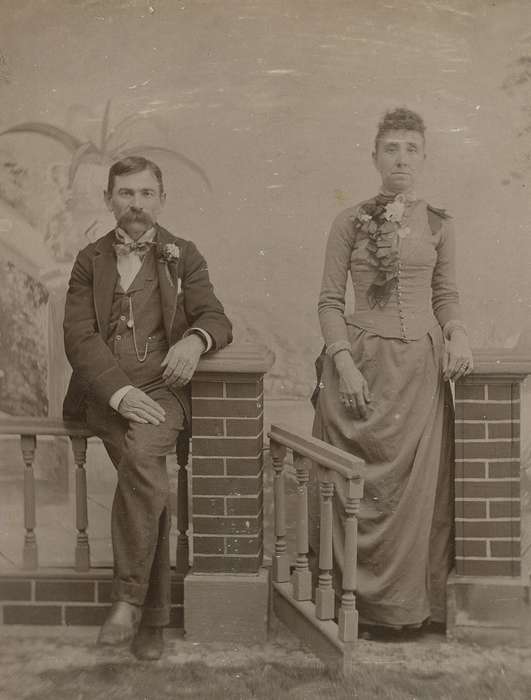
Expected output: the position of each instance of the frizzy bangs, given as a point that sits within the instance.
(400, 119)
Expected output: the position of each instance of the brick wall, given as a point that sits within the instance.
(226, 518)
(487, 478)
(66, 598)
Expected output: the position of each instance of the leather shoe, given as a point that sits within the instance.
(148, 643)
(121, 624)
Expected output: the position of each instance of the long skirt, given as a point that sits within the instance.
(405, 520)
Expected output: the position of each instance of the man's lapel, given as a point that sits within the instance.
(105, 278)
(168, 281)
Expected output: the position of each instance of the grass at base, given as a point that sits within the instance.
(274, 682)
(66, 665)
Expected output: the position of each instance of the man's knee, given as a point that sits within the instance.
(147, 441)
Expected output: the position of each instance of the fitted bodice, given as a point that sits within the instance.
(425, 292)
(408, 314)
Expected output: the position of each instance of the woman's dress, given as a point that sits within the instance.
(404, 540)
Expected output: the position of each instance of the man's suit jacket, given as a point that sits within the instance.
(96, 372)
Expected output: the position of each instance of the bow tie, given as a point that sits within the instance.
(139, 248)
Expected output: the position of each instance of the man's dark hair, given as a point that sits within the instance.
(130, 165)
(400, 119)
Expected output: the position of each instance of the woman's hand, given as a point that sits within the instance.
(353, 388)
(457, 360)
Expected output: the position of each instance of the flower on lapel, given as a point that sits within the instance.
(169, 253)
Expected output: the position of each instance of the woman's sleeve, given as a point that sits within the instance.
(331, 306)
(445, 297)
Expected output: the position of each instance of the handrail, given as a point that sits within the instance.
(328, 456)
(35, 425)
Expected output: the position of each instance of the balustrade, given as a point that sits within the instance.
(82, 555)
(29, 429)
(324, 596)
(280, 558)
(30, 553)
(313, 615)
(302, 578)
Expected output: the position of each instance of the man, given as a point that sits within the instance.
(140, 311)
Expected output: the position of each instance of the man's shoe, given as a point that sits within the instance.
(121, 624)
(148, 643)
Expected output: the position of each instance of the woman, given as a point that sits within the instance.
(384, 393)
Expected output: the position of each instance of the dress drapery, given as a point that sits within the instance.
(404, 541)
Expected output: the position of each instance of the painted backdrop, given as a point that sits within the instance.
(263, 117)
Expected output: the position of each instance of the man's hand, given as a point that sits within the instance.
(182, 359)
(353, 388)
(138, 407)
(457, 359)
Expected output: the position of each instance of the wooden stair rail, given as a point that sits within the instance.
(333, 642)
(29, 428)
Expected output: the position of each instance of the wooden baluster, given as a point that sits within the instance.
(30, 553)
(280, 558)
(302, 578)
(324, 596)
(82, 553)
(182, 552)
(348, 615)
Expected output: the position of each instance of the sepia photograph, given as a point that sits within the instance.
(265, 348)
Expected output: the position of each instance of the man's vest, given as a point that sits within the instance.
(141, 349)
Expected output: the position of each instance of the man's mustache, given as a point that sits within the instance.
(132, 216)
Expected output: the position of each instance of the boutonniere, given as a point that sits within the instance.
(166, 254)
(381, 220)
(170, 252)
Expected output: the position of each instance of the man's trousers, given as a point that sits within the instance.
(141, 516)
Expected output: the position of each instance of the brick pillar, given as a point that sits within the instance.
(226, 591)
(487, 592)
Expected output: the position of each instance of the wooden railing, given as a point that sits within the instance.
(314, 616)
(29, 429)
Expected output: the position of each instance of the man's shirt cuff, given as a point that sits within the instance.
(204, 334)
(118, 395)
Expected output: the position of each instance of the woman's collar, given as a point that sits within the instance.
(407, 196)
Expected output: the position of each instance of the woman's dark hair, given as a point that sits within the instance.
(399, 119)
(131, 165)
